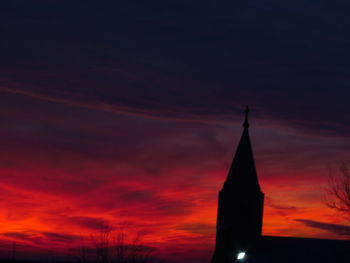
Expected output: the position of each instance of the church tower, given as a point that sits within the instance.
(240, 206)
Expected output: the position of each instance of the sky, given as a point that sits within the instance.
(127, 114)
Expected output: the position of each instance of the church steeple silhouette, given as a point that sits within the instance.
(240, 206)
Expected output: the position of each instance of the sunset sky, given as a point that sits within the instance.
(128, 115)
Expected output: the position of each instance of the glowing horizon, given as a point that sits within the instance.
(168, 195)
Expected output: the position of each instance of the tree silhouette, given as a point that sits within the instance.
(102, 244)
(109, 246)
(338, 190)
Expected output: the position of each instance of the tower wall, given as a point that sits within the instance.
(239, 224)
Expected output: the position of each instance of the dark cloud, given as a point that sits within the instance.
(90, 223)
(341, 230)
(271, 203)
(42, 237)
(196, 58)
(144, 204)
(284, 207)
(198, 228)
(20, 235)
(57, 237)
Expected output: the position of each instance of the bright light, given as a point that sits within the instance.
(240, 255)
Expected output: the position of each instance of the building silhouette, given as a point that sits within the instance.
(240, 219)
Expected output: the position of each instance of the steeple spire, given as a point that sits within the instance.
(240, 206)
(242, 171)
(246, 122)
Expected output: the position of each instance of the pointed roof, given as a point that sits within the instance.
(242, 172)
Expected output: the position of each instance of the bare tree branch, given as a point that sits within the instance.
(110, 247)
(338, 190)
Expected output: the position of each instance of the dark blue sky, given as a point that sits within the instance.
(289, 60)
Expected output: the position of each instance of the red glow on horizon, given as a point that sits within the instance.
(158, 180)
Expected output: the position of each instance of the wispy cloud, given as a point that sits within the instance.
(341, 230)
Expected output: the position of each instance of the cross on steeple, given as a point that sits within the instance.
(246, 123)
